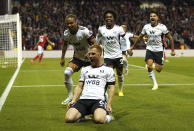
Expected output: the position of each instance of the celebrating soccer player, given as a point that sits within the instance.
(125, 46)
(80, 38)
(109, 35)
(93, 83)
(154, 47)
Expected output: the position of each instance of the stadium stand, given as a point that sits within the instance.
(49, 15)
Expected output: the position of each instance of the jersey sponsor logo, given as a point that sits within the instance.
(110, 37)
(152, 32)
(110, 40)
(93, 76)
(92, 82)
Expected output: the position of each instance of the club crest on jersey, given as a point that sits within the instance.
(101, 71)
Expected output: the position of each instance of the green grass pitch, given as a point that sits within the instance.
(34, 102)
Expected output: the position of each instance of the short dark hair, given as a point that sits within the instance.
(111, 12)
(154, 12)
(98, 47)
(71, 16)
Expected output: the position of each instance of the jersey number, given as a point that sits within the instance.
(121, 61)
(41, 39)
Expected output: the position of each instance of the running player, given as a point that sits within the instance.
(93, 83)
(40, 44)
(154, 47)
(80, 38)
(125, 46)
(109, 36)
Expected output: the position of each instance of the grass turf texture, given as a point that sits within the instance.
(170, 108)
(5, 75)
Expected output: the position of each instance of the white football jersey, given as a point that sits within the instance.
(109, 38)
(96, 81)
(125, 42)
(79, 41)
(155, 35)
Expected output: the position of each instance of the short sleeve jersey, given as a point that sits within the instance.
(42, 40)
(155, 34)
(96, 81)
(79, 41)
(125, 42)
(109, 38)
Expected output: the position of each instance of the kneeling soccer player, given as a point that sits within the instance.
(93, 82)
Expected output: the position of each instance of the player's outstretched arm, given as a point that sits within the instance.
(51, 43)
(64, 49)
(130, 51)
(169, 36)
(110, 97)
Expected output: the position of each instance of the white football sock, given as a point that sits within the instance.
(152, 76)
(108, 118)
(68, 81)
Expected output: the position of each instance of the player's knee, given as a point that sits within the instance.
(68, 72)
(69, 119)
(99, 119)
(158, 68)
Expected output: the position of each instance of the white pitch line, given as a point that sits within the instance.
(189, 84)
(41, 70)
(41, 86)
(8, 88)
(137, 66)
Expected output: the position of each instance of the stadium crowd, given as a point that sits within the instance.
(49, 16)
